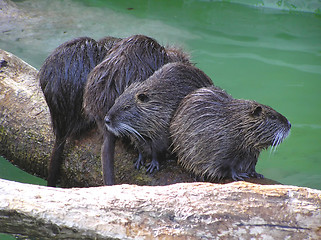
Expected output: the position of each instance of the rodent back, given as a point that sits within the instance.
(131, 60)
(109, 41)
(255, 123)
(62, 78)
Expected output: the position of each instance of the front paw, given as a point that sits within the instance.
(239, 176)
(139, 162)
(256, 175)
(154, 165)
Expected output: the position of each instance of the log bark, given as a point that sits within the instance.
(24, 120)
(237, 210)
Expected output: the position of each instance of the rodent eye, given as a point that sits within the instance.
(142, 97)
(127, 107)
(257, 111)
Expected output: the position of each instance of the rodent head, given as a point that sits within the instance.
(137, 112)
(146, 108)
(261, 126)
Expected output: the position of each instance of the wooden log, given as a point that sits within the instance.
(24, 120)
(237, 210)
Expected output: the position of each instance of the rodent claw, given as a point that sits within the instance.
(239, 176)
(139, 162)
(256, 175)
(152, 166)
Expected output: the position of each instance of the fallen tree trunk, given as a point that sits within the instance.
(237, 210)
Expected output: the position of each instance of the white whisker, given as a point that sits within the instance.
(280, 136)
(124, 128)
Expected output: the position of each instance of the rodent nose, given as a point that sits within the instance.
(289, 124)
(107, 120)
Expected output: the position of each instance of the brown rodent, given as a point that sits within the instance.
(132, 59)
(144, 110)
(216, 136)
(62, 79)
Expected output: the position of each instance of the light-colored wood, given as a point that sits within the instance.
(237, 210)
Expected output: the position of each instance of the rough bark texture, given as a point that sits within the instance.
(237, 210)
(24, 122)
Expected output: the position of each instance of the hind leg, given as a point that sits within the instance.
(254, 174)
(55, 162)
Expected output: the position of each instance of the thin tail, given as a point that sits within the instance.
(56, 161)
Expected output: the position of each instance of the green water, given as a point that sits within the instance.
(10, 172)
(269, 55)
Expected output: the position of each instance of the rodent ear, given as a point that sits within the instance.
(142, 97)
(257, 111)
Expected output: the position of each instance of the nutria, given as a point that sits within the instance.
(109, 41)
(132, 59)
(144, 110)
(216, 136)
(62, 79)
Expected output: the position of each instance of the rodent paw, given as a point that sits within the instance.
(256, 175)
(239, 176)
(139, 162)
(154, 165)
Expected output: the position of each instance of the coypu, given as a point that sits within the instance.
(62, 79)
(132, 59)
(216, 136)
(109, 41)
(144, 110)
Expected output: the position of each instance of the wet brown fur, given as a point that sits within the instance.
(62, 79)
(132, 59)
(143, 112)
(216, 136)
